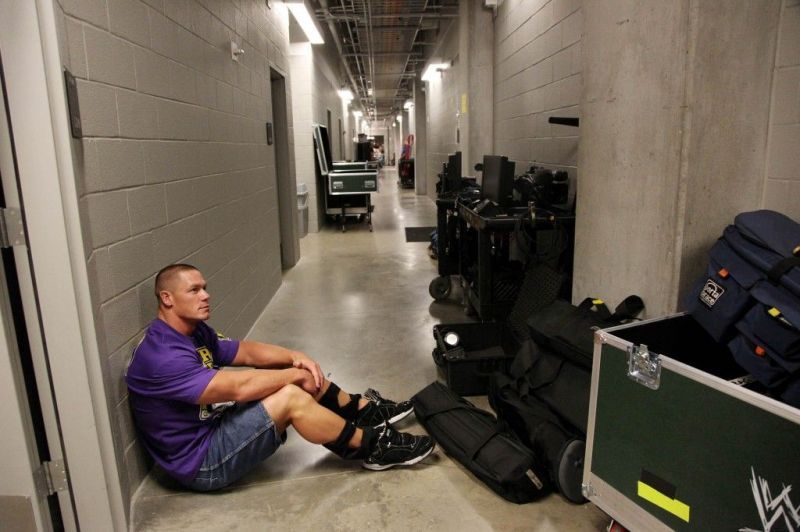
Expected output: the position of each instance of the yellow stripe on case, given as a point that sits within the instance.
(673, 506)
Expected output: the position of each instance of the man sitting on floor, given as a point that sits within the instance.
(207, 428)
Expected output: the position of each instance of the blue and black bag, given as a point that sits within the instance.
(750, 298)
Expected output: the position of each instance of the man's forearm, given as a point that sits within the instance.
(249, 385)
(261, 355)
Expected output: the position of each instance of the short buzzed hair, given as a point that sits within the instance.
(167, 275)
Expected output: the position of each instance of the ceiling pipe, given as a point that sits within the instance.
(359, 18)
(382, 54)
(359, 63)
(338, 42)
(411, 54)
(371, 59)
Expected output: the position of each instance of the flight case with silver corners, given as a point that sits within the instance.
(346, 166)
(349, 182)
(679, 437)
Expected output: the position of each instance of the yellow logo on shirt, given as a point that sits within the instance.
(205, 357)
(208, 361)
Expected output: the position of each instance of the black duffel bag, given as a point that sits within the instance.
(545, 403)
(569, 330)
(473, 438)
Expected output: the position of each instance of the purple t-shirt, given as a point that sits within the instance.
(166, 376)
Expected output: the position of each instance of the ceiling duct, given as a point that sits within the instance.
(383, 43)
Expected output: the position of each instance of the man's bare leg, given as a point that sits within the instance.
(291, 405)
(380, 447)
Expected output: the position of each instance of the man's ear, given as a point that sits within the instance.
(165, 298)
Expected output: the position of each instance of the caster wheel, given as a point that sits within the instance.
(613, 526)
(439, 288)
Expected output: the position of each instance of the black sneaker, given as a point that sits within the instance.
(380, 411)
(393, 448)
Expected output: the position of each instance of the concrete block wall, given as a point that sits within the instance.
(173, 166)
(782, 184)
(442, 104)
(537, 74)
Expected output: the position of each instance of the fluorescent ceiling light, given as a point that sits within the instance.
(346, 95)
(303, 17)
(432, 69)
(369, 92)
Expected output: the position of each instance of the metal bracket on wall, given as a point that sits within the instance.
(12, 230)
(72, 103)
(55, 476)
(236, 51)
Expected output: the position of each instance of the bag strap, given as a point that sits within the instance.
(458, 406)
(473, 452)
(784, 265)
(532, 383)
(596, 307)
(630, 307)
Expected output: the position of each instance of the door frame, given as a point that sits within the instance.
(29, 388)
(286, 187)
(38, 114)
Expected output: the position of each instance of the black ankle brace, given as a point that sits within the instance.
(330, 400)
(339, 446)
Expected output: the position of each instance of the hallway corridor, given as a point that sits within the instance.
(358, 302)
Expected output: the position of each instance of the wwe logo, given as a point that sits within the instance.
(771, 509)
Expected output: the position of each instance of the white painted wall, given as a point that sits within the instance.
(442, 106)
(315, 86)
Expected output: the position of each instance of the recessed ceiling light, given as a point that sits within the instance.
(303, 18)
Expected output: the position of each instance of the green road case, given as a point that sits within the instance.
(679, 439)
(361, 182)
(346, 166)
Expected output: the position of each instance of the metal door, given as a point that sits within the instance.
(34, 487)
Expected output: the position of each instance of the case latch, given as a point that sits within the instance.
(644, 367)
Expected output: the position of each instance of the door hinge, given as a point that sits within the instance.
(12, 231)
(644, 366)
(55, 476)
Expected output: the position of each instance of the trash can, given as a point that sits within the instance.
(302, 210)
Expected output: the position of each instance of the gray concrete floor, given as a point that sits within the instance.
(358, 302)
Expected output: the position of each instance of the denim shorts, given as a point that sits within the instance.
(246, 436)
